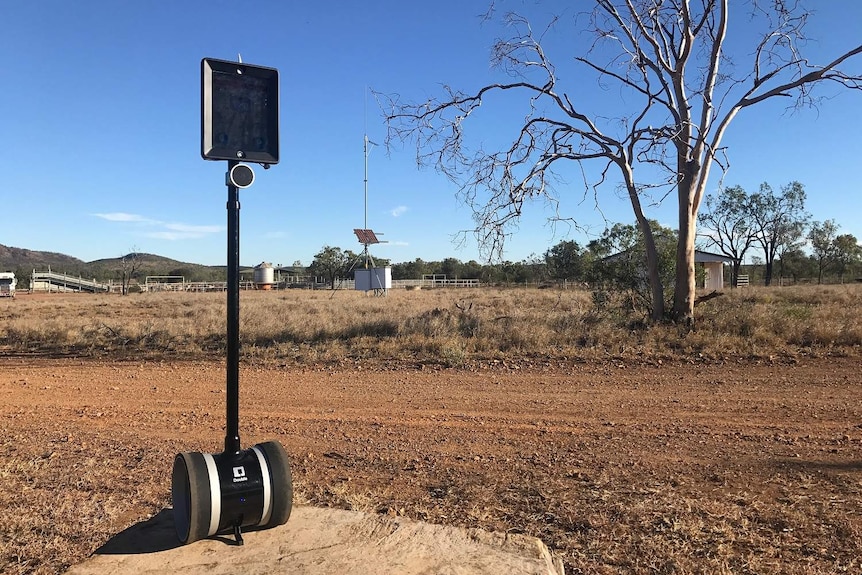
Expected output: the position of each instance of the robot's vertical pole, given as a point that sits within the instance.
(231, 440)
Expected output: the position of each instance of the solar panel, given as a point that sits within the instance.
(366, 236)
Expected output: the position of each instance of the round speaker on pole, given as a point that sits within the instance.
(241, 176)
(224, 492)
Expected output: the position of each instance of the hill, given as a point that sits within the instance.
(14, 258)
(144, 264)
(23, 262)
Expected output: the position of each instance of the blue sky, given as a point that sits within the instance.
(101, 124)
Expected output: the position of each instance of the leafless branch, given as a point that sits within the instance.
(681, 91)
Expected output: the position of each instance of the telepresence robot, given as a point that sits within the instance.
(224, 492)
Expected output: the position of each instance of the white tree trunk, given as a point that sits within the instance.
(685, 286)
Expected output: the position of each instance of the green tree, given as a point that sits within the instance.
(451, 267)
(822, 238)
(509, 272)
(411, 270)
(847, 253)
(22, 277)
(474, 270)
(779, 221)
(620, 260)
(729, 225)
(537, 268)
(678, 91)
(331, 263)
(566, 261)
(796, 264)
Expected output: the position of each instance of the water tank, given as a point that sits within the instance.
(263, 276)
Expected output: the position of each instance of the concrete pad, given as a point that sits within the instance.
(319, 541)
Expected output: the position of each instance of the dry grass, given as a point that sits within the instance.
(448, 327)
(58, 499)
(760, 494)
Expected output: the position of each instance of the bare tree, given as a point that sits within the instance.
(129, 265)
(665, 58)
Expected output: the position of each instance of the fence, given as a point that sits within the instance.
(184, 286)
(50, 281)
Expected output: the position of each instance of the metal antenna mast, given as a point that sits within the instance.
(365, 182)
(365, 224)
(366, 236)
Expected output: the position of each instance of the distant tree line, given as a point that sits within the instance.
(614, 260)
(770, 228)
(777, 226)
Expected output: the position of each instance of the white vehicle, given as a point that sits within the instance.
(7, 284)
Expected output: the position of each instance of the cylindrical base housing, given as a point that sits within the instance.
(216, 493)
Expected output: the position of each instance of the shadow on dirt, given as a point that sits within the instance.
(150, 536)
(845, 466)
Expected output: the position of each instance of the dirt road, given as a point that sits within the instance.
(619, 468)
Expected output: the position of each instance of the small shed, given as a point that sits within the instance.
(713, 267)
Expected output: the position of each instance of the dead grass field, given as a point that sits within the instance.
(633, 451)
(451, 327)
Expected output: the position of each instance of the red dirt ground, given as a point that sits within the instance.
(687, 468)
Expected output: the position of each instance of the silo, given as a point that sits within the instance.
(263, 276)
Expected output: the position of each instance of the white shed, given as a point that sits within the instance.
(713, 267)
